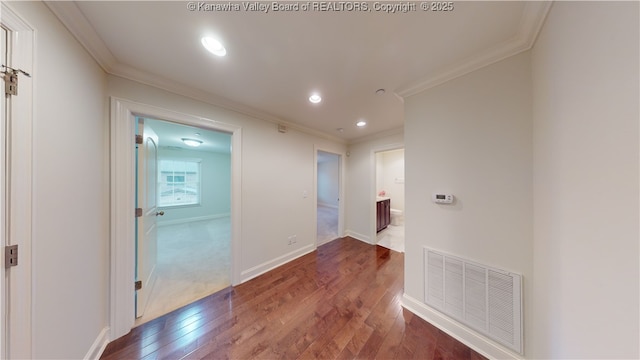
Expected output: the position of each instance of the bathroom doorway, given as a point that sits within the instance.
(389, 183)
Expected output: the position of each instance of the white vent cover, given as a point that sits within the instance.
(486, 299)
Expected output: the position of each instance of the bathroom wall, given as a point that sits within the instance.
(390, 176)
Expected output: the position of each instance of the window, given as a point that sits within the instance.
(178, 182)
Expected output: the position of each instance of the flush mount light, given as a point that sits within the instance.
(361, 123)
(380, 92)
(192, 142)
(214, 46)
(315, 98)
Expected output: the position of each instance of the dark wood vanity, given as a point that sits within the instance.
(383, 214)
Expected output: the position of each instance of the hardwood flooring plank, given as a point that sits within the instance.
(342, 301)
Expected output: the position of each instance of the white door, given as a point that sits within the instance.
(16, 191)
(147, 231)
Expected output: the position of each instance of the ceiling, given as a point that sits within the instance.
(170, 136)
(276, 60)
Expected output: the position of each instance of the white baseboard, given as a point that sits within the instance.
(272, 264)
(357, 236)
(470, 338)
(193, 219)
(99, 345)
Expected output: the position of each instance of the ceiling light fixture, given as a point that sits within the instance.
(315, 98)
(214, 46)
(380, 92)
(361, 123)
(192, 142)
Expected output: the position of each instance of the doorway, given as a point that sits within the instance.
(328, 197)
(389, 183)
(194, 225)
(123, 117)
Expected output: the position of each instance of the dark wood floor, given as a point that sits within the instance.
(339, 302)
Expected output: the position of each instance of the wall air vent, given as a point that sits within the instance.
(486, 299)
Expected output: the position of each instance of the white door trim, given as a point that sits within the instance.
(123, 113)
(341, 182)
(17, 206)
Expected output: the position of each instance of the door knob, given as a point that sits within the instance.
(161, 213)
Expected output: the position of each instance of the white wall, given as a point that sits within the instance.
(586, 184)
(277, 170)
(472, 137)
(390, 176)
(215, 195)
(361, 184)
(329, 181)
(70, 192)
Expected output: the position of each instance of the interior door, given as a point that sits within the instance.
(146, 227)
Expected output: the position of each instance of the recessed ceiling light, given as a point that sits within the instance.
(361, 123)
(340, 129)
(214, 46)
(315, 98)
(380, 92)
(192, 142)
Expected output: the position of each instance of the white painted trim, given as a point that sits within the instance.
(279, 261)
(98, 346)
(358, 236)
(465, 335)
(122, 238)
(192, 219)
(533, 17)
(18, 328)
(77, 24)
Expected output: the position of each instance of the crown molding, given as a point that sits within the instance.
(533, 17)
(171, 86)
(74, 20)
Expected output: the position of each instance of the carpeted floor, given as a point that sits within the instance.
(194, 260)
(327, 224)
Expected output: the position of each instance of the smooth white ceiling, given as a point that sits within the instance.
(276, 60)
(170, 136)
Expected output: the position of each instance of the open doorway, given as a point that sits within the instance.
(389, 182)
(193, 235)
(122, 148)
(328, 197)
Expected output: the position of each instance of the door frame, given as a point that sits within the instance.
(122, 222)
(341, 182)
(17, 194)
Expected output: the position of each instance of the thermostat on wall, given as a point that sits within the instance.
(442, 198)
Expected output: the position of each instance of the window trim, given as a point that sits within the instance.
(199, 183)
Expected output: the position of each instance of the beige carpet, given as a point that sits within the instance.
(327, 224)
(194, 260)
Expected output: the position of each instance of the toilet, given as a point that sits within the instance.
(397, 218)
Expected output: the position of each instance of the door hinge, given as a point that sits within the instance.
(139, 139)
(138, 212)
(138, 285)
(10, 256)
(11, 79)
